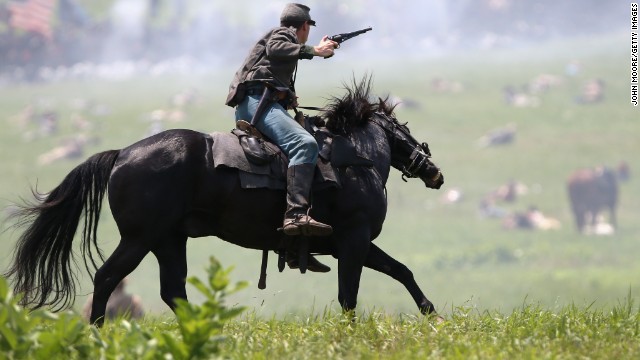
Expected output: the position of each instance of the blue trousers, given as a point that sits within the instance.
(278, 125)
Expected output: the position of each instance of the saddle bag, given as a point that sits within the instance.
(253, 146)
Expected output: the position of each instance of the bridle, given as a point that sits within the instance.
(420, 155)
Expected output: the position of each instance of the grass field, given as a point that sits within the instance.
(214, 330)
(458, 258)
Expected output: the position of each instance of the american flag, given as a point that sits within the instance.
(33, 15)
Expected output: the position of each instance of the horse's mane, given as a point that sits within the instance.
(354, 108)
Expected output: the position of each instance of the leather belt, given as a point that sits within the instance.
(258, 89)
(255, 90)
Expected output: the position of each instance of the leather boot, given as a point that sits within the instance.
(313, 264)
(296, 218)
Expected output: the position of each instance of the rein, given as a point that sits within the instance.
(314, 108)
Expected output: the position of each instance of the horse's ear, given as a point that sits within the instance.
(382, 105)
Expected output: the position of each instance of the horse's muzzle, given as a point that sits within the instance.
(434, 181)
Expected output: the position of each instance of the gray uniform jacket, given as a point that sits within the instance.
(272, 60)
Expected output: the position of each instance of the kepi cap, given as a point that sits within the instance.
(296, 13)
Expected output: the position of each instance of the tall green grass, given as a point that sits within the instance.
(213, 330)
(529, 332)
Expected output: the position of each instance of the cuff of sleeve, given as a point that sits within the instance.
(306, 52)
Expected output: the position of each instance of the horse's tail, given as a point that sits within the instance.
(41, 268)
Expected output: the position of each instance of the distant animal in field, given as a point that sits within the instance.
(591, 191)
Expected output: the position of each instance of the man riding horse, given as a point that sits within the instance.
(262, 91)
(181, 184)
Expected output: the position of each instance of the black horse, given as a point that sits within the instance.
(164, 189)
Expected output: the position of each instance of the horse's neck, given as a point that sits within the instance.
(371, 142)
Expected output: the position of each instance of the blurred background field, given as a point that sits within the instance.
(454, 95)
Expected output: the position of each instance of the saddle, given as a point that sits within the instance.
(261, 164)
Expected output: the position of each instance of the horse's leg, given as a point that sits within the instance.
(593, 218)
(380, 261)
(126, 257)
(613, 218)
(581, 219)
(172, 259)
(353, 246)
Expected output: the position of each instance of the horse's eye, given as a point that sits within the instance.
(425, 148)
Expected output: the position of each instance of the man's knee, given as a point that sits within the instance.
(308, 142)
(307, 147)
(304, 151)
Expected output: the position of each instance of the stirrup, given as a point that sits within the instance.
(308, 227)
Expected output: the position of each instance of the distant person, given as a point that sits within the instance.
(623, 171)
(515, 98)
(531, 219)
(500, 136)
(120, 304)
(508, 192)
(487, 209)
(572, 68)
(71, 148)
(592, 92)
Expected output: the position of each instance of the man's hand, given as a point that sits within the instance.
(325, 48)
(293, 104)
